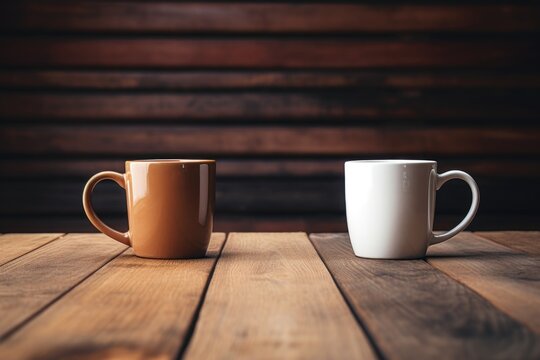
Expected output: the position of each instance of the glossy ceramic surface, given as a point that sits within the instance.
(390, 206)
(170, 206)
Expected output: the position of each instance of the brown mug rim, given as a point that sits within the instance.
(173, 161)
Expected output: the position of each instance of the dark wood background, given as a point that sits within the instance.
(279, 93)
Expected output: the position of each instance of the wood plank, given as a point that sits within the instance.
(526, 241)
(271, 294)
(412, 310)
(266, 18)
(83, 168)
(32, 282)
(131, 308)
(258, 195)
(350, 104)
(336, 222)
(285, 195)
(13, 246)
(250, 222)
(507, 278)
(153, 140)
(263, 53)
(223, 222)
(246, 79)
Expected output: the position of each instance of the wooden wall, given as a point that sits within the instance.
(280, 93)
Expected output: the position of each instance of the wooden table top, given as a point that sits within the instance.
(269, 295)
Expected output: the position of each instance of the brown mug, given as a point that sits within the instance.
(170, 206)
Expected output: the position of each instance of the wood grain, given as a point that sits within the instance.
(258, 83)
(264, 222)
(95, 16)
(131, 308)
(13, 246)
(265, 79)
(414, 311)
(272, 297)
(507, 278)
(361, 106)
(258, 195)
(263, 53)
(526, 241)
(83, 168)
(223, 222)
(268, 140)
(32, 282)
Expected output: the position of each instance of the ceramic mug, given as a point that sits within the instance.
(391, 203)
(170, 205)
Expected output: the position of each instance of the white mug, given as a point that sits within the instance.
(391, 203)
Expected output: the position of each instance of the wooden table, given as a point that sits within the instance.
(269, 295)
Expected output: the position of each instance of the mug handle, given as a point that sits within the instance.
(91, 214)
(456, 174)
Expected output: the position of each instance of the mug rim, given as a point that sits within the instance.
(391, 162)
(173, 161)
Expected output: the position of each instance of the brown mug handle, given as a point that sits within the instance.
(92, 216)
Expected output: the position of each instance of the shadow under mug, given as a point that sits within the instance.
(170, 205)
(391, 204)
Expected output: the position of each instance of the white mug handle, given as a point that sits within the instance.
(455, 174)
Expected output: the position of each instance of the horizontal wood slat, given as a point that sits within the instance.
(95, 16)
(267, 140)
(222, 222)
(328, 222)
(283, 195)
(260, 222)
(264, 53)
(270, 90)
(246, 79)
(414, 311)
(357, 105)
(83, 168)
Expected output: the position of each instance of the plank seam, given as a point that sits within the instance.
(495, 307)
(369, 336)
(23, 323)
(34, 249)
(475, 233)
(195, 318)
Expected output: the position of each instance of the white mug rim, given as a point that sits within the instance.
(391, 162)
